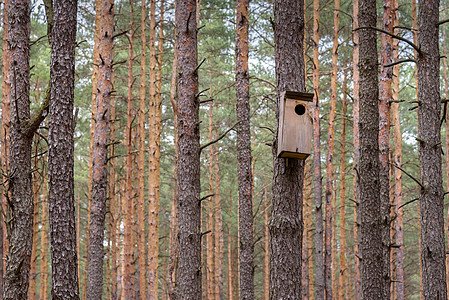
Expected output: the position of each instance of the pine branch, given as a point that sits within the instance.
(406, 173)
(219, 138)
(400, 62)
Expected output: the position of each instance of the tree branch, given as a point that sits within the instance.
(219, 138)
(393, 36)
(39, 116)
(405, 172)
(400, 62)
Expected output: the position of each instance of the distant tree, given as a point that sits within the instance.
(286, 224)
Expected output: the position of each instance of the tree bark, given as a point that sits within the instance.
(356, 143)
(246, 250)
(188, 276)
(20, 203)
(431, 193)
(43, 289)
(286, 223)
(218, 228)
(371, 249)
(61, 156)
(266, 259)
(319, 258)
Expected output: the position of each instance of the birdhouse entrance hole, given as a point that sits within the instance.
(300, 109)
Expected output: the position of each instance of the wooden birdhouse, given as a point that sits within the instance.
(295, 125)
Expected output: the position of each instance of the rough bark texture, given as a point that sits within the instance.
(330, 160)
(343, 267)
(60, 159)
(128, 245)
(100, 153)
(20, 185)
(141, 160)
(246, 254)
(371, 251)
(319, 258)
(4, 140)
(431, 193)
(188, 276)
(386, 77)
(356, 142)
(286, 224)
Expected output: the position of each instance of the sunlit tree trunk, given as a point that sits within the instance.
(44, 245)
(230, 291)
(128, 243)
(218, 229)
(343, 267)
(266, 259)
(306, 279)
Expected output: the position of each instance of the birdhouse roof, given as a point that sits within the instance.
(299, 96)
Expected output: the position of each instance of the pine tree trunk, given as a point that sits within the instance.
(128, 245)
(386, 77)
(141, 160)
(286, 223)
(173, 245)
(330, 158)
(230, 291)
(188, 276)
(246, 250)
(371, 249)
(356, 143)
(61, 157)
(343, 267)
(43, 289)
(266, 259)
(306, 279)
(5, 141)
(219, 240)
(398, 224)
(431, 192)
(319, 258)
(20, 183)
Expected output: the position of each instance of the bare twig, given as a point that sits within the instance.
(219, 138)
(406, 173)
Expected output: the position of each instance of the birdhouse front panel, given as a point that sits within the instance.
(295, 125)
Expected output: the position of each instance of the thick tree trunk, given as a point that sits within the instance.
(188, 276)
(20, 184)
(60, 158)
(319, 258)
(371, 249)
(286, 223)
(246, 250)
(431, 192)
(5, 140)
(343, 267)
(356, 143)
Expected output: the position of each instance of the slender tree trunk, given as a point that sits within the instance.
(246, 250)
(286, 223)
(386, 77)
(356, 143)
(141, 160)
(36, 194)
(113, 205)
(446, 93)
(310, 236)
(230, 292)
(43, 289)
(100, 153)
(330, 158)
(431, 193)
(371, 249)
(20, 183)
(219, 242)
(95, 60)
(398, 224)
(60, 162)
(266, 260)
(188, 276)
(128, 245)
(5, 141)
(306, 279)
(319, 258)
(343, 267)
(173, 246)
